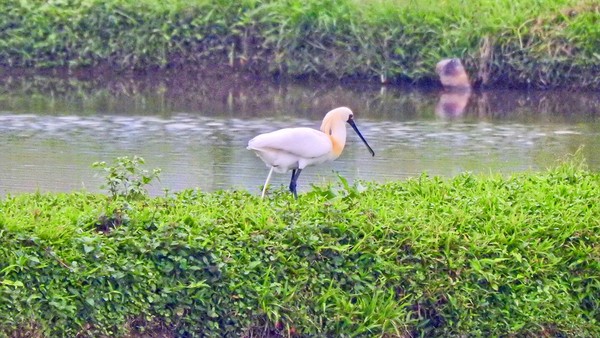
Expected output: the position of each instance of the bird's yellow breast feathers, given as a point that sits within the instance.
(337, 147)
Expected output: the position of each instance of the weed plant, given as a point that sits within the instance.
(466, 256)
(125, 178)
(527, 43)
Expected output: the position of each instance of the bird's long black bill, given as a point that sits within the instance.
(351, 122)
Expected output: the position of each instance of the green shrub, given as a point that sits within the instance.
(549, 43)
(468, 256)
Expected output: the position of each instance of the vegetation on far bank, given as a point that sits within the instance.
(530, 43)
(466, 256)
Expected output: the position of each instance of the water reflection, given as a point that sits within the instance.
(196, 130)
(452, 103)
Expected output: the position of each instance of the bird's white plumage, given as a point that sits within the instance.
(292, 148)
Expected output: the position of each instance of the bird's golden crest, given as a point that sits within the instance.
(336, 119)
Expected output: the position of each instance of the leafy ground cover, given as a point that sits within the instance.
(527, 43)
(464, 256)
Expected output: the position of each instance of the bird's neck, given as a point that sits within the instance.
(336, 130)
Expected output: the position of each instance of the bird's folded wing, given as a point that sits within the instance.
(302, 142)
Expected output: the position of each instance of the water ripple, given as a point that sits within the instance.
(55, 152)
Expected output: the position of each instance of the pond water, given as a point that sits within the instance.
(52, 128)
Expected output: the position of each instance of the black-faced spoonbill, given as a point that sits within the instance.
(296, 148)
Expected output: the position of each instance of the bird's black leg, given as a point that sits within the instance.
(295, 174)
(293, 183)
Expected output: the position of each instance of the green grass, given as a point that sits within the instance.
(466, 256)
(530, 43)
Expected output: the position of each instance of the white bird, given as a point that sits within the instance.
(296, 148)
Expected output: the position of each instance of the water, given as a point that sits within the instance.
(196, 130)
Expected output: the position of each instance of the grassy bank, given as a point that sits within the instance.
(468, 256)
(531, 43)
